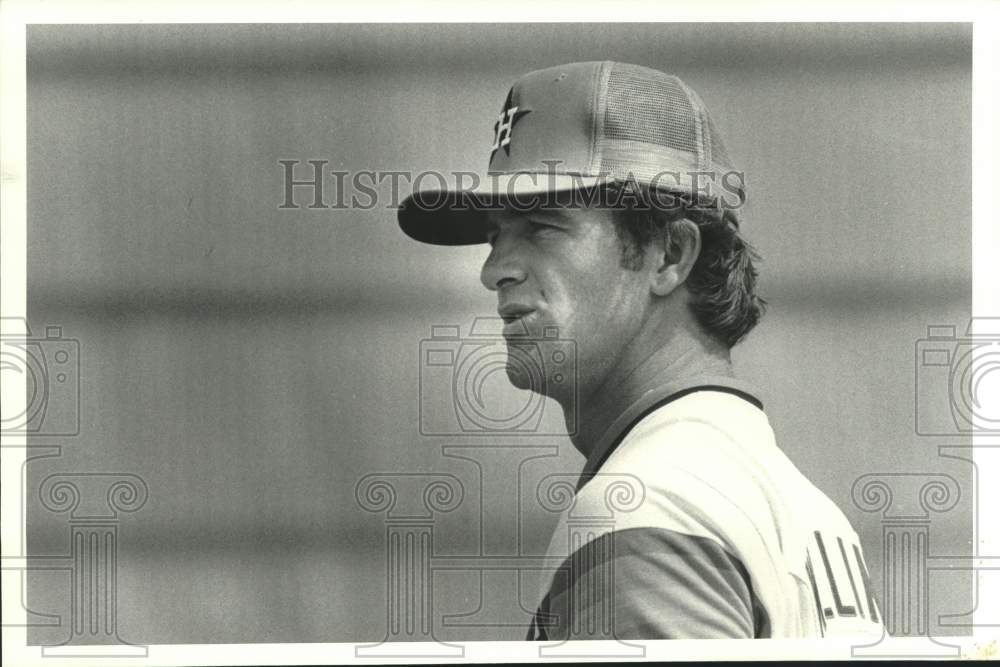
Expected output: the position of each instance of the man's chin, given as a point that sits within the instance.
(534, 384)
(526, 370)
(520, 380)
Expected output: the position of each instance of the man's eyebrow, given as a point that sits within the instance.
(556, 212)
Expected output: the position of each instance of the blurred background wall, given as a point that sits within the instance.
(252, 364)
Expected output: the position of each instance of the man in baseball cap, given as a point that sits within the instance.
(613, 215)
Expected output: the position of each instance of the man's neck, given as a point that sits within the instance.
(636, 375)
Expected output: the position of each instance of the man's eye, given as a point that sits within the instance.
(541, 226)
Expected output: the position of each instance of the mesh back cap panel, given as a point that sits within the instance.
(657, 130)
(656, 114)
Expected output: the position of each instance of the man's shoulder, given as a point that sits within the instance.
(703, 476)
(716, 444)
(708, 465)
(709, 447)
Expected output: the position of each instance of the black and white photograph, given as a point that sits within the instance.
(453, 339)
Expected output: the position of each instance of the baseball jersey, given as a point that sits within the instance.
(689, 522)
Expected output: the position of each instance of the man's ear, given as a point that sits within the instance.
(674, 259)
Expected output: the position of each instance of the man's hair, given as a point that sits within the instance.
(723, 280)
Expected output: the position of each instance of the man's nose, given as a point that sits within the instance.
(503, 265)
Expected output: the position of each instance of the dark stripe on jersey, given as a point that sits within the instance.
(650, 583)
(592, 468)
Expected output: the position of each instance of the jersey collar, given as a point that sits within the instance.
(655, 399)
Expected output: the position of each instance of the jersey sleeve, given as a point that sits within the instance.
(650, 583)
(683, 564)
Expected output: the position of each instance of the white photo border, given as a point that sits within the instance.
(16, 15)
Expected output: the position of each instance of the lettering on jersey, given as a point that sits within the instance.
(867, 585)
(841, 581)
(819, 605)
(842, 609)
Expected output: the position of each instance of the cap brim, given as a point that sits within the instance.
(458, 217)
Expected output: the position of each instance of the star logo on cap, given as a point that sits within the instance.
(504, 127)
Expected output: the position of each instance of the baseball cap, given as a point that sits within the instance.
(576, 127)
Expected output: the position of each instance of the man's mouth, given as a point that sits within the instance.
(516, 317)
(513, 312)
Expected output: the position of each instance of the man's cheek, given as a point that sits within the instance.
(569, 321)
